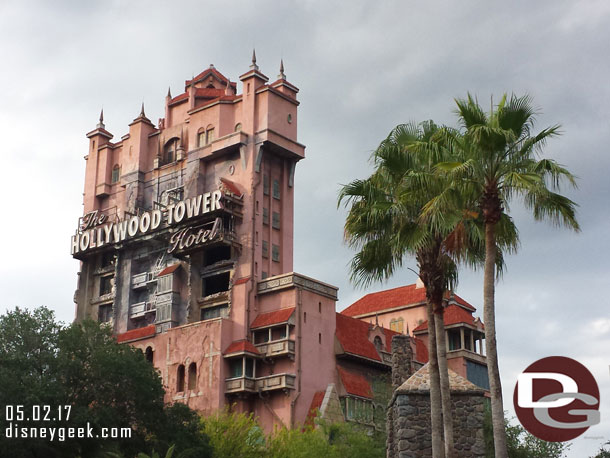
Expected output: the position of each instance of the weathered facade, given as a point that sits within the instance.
(186, 245)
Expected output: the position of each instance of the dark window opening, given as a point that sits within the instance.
(319, 307)
(217, 311)
(104, 313)
(261, 337)
(107, 259)
(106, 285)
(266, 184)
(265, 215)
(216, 284)
(149, 354)
(378, 343)
(319, 337)
(455, 341)
(264, 275)
(216, 254)
(170, 150)
(304, 317)
(192, 376)
(236, 368)
(467, 340)
(180, 378)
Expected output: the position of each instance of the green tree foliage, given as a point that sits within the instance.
(234, 434)
(521, 444)
(106, 384)
(603, 451)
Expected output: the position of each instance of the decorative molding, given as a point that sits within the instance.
(294, 280)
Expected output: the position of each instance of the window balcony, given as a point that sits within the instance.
(141, 280)
(254, 385)
(284, 347)
(141, 309)
(276, 382)
(240, 385)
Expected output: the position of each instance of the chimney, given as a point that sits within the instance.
(402, 357)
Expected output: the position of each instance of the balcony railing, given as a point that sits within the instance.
(240, 385)
(141, 280)
(284, 347)
(140, 309)
(253, 385)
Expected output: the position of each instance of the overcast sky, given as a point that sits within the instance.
(362, 67)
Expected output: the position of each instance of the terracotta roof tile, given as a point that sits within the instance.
(213, 71)
(241, 280)
(453, 315)
(355, 384)
(393, 298)
(241, 346)
(421, 351)
(353, 337)
(209, 92)
(271, 318)
(232, 187)
(316, 403)
(169, 270)
(138, 333)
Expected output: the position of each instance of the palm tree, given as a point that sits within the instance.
(384, 224)
(499, 161)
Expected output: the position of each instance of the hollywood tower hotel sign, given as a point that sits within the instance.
(186, 249)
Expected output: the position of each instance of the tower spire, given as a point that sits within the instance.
(100, 125)
(169, 92)
(281, 76)
(254, 66)
(142, 115)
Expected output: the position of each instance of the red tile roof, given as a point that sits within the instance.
(135, 334)
(232, 187)
(205, 73)
(355, 384)
(393, 298)
(179, 98)
(169, 270)
(241, 280)
(241, 346)
(453, 315)
(209, 92)
(271, 318)
(353, 335)
(421, 351)
(316, 403)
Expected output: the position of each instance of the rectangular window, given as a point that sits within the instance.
(201, 139)
(106, 285)
(275, 221)
(261, 336)
(104, 313)
(265, 249)
(278, 333)
(215, 284)
(265, 216)
(237, 368)
(276, 189)
(266, 184)
(264, 275)
(275, 253)
(249, 367)
(211, 136)
(116, 172)
(165, 283)
(217, 311)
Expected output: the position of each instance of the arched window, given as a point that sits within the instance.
(180, 378)
(169, 151)
(149, 354)
(192, 376)
(210, 136)
(378, 343)
(116, 173)
(238, 127)
(201, 137)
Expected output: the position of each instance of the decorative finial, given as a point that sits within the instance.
(407, 328)
(212, 66)
(100, 125)
(169, 92)
(228, 90)
(281, 76)
(254, 66)
(142, 115)
(376, 319)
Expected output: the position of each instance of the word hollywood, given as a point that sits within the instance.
(93, 233)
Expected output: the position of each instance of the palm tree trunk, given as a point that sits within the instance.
(436, 417)
(441, 351)
(493, 370)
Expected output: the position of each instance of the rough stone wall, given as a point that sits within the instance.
(402, 357)
(410, 425)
